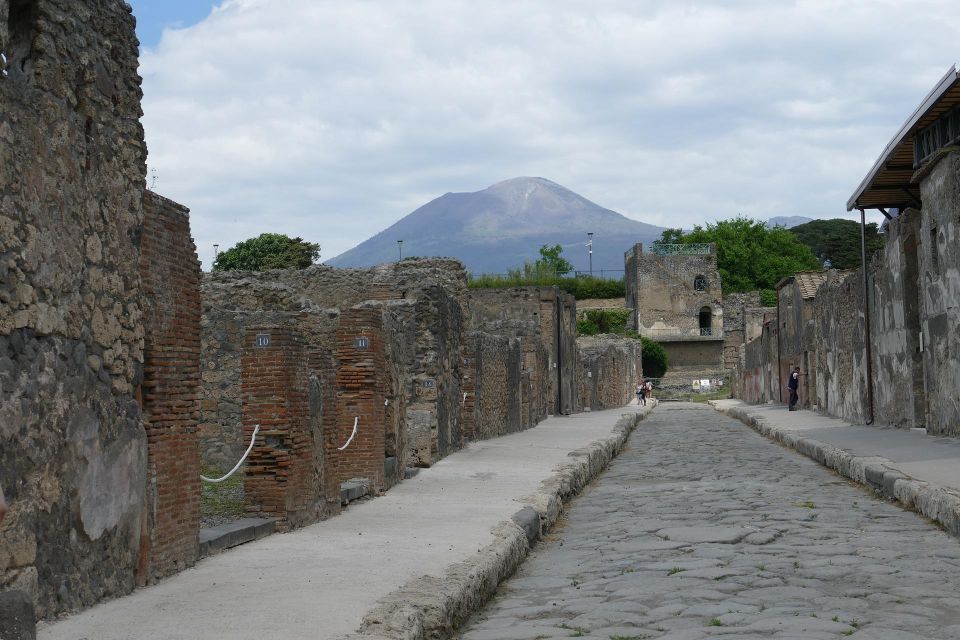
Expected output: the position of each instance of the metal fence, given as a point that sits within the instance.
(689, 389)
(664, 249)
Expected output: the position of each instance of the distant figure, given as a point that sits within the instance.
(793, 384)
(649, 390)
(641, 393)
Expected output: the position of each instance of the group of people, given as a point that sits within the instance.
(644, 391)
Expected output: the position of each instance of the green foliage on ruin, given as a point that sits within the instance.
(597, 321)
(750, 255)
(550, 271)
(268, 251)
(654, 358)
(838, 241)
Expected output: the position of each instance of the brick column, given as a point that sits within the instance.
(361, 391)
(280, 481)
(170, 276)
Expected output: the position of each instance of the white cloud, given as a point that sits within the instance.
(331, 120)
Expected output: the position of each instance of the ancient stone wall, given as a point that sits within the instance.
(496, 365)
(610, 368)
(841, 354)
(72, 167)
(736, 313)
(170, 276)
(756, 379)
(796, 334)
(939, 278)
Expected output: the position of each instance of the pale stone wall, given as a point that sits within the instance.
(940, 290)
(610, 368)
(72, 167)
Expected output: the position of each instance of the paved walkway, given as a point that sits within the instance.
(318, 582)
(929, 458)
(702, 528)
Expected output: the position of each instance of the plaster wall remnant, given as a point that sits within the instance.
(610, 368)
(740, 318)
(72, 167)
(676, 298)
(795, 296)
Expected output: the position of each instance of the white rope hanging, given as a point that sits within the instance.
(253, 439)
(350, 439)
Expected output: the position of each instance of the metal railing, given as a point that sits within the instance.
(671, 333)
(664, 249)
(689, 388)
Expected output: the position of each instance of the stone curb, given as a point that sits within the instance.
(432, 607)
(932, 501)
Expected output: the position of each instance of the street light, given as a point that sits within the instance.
(216, 251)
(400, 249)
(590, 250)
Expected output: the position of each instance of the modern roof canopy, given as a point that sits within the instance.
(933, 125)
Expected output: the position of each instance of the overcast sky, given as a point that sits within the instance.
(331, 120)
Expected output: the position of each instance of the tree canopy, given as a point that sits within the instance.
(268, 251)
(750, 256)
(552, 260)
(838, 241)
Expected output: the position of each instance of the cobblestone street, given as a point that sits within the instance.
(702, 528)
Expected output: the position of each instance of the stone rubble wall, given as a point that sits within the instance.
(496, 364)
(73, 454)
(610, 368)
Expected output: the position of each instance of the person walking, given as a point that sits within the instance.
(793, 385)
(641, 393)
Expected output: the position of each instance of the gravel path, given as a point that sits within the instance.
(703, 529)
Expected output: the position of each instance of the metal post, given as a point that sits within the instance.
(866, 313)
(590, 250)
(400, 249)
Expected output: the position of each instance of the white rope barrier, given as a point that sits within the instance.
(253, 439)
(350, 439)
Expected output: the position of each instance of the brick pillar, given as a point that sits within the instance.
(170, 276)
(361, 391)
(280, 481)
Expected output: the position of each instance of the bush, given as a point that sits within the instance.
(582, 288)
(609, 320)
(654, 359)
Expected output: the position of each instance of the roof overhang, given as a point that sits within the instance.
(889, 184)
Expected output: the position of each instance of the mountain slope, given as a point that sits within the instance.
(503, 226)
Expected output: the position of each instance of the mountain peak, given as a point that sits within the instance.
(503, 226)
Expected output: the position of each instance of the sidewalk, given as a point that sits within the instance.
(443, 538)
(921, 472)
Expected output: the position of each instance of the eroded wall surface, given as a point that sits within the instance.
(72, 166)
(610, 368)
(940, 288)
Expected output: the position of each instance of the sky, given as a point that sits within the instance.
(331, 120)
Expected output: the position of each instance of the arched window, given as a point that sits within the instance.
(700, 283)
(706, 321)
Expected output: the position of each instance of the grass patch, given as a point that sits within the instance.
(674, 571)
(807, 504)
(223, 500)
(716, 622)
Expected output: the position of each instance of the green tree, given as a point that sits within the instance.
(268, 251)
(751, 256)
(654, 358)
(838, 241)
(552, 260)
(672, 236)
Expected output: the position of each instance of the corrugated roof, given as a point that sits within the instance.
(889, 183)
(809, 282)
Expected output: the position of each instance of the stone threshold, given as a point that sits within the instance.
(224, 536)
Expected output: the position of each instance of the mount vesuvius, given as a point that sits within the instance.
(505, 225)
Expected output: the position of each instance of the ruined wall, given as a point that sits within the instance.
(756, 378)
(840, 353)
(71, 334)
(895, 326)
(497, 362)
(610, 368)
(940, 289)
(436, 286)
(736, 313)
(170, 276)
(281, 479)
(796, 334)
(694, 355)
(661, 290)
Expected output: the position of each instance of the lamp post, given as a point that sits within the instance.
(590, 250)
(400, 249)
